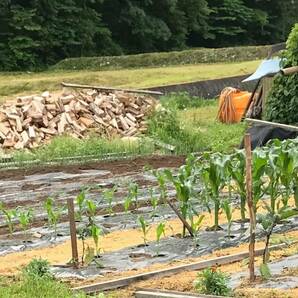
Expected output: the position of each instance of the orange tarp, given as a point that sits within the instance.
(232, 105)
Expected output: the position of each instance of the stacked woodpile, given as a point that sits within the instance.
(31, 121)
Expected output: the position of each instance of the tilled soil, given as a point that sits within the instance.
(117, 167)
(30, 187)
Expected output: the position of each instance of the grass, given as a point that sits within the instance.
(12, 84)
(192, 126)
(28, 287)
(34, 288)
(63, 147)
(192, 56)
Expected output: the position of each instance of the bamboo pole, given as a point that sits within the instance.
(110, 89)
(252, 216)
(275, 124)
(289, 71)
(73, 232)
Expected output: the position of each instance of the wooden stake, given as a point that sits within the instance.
(252, 216)
(73, 232)
(185, 223)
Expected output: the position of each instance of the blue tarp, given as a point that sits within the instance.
(267, 67)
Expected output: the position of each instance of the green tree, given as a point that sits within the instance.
(282, 102)
(229, 20)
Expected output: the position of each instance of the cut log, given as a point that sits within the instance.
(25, 138)
(4, 130)
(86, 121)
(31, 132)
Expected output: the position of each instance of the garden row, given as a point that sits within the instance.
(200, 181)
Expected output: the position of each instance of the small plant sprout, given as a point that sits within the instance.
(127, 203)
(108, 195)
(162, 180)
(226, 206)
(91, 211)
(54, 213)
(196, 224)
(25, 217)
(95, 233)
(133, 190)
(153, 200)
(80, 201)
(9, 215)
(160, 230)
(144, 227)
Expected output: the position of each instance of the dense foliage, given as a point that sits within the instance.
(282, 104)
(213, 282)
(34, 33)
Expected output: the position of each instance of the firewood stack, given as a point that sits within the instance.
(34, 120)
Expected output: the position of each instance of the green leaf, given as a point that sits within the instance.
(265, 271)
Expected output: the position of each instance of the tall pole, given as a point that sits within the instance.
(252, 215)
(73, 232)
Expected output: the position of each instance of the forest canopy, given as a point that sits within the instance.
(38, 33)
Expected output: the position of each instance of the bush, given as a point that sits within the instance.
(165, 126)
(233, 54)
(212, 282)
(282, 103)
(38, 268)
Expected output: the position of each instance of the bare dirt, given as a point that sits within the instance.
(115, 167)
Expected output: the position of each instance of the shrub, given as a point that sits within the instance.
(282, 103)
(212, 282)
(38, 268)
(165, 126)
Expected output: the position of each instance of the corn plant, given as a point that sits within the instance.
(80, 201)
(25, 217)
(215, 177)
(287, 171)
(127, 203)
(270, 219)
(133, 190)
(95, 233)
(196, 224)
(162, 183)
(132, 196)
(90, 211)
(54, 213)
(153, 200)
(144, 227)
(9, 215)
(227, 208)
(259, 164)
(184, 185)
(108, 195)
(160, 230)
(236, 170)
